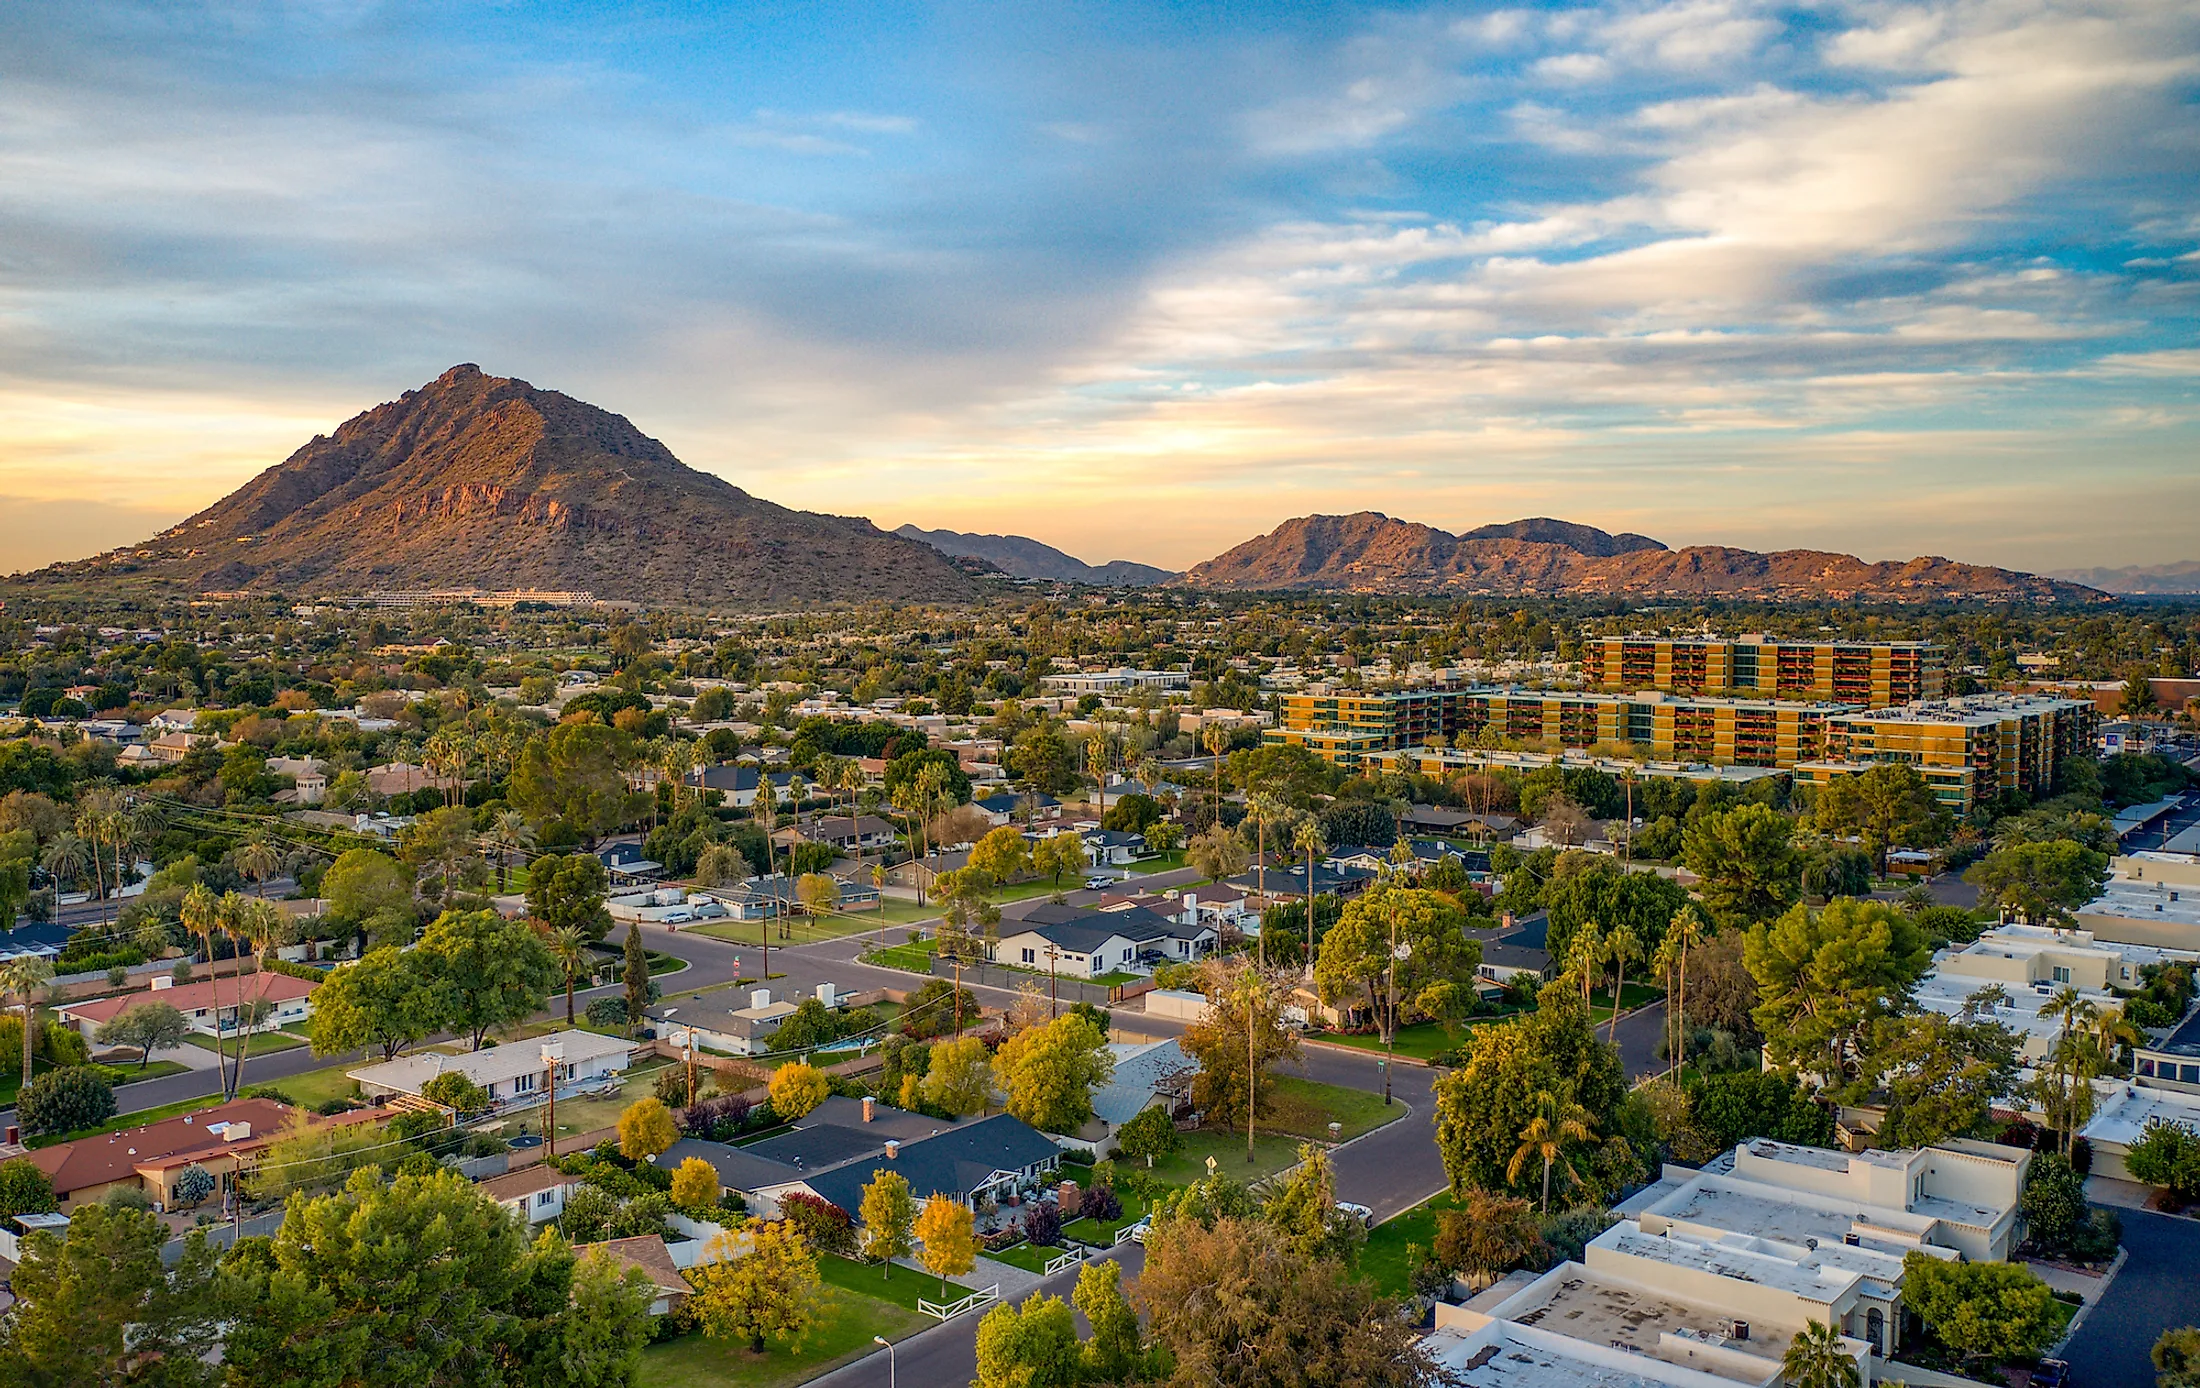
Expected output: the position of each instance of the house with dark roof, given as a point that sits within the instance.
(738, 782)
(1003, 807)
(1079, 942)
(1515, 948)
(1113, 846)
(968, 1164)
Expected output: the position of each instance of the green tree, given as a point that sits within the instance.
(1029, 1346)
(24, 1189)
(1149, 1135)
(488, 972)
(98, 1307)
(569, 950)
(959, 1080)
(1985, 1312)
(383, 1001)
(2044, 883)
(889, 1216)
(1491, 1236)
(695, 1186)
(1558, 1120)
(1419, 933)
(950, 1238)
(21, 978)
(2055, 1211)
(771, 1289)
(1734, 1107)
(1887, 806)
(2176, 1356)
(1004, 854)
(146, 1027)
(65, 1100)
(798, 1087)
(1746, 857)
(454, 1090)
(1823, 977)
(1815, 1358)
(1116, 1353)
(364, 884)
(567, 892)
(1484, 1104)
(2167, 1156)
(1941, 1075)
(1049, 1072)
(1058, 856)
(575, 773)
(646, 1129)
(1243, 1026)
(1304, 1207)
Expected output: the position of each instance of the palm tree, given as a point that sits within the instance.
(1667, 962)
(1622, 946)
(1250, 990)
(1816, 1359)
(1215, 740)
(21, 977)
(67, 858)
(1557, 1121)
(1585, 956)
(258, 860)
(260, 924)
(508, 836)
(569, 947)
(1096, 759)
(767, 810)
(1688, 928)
(2070, 1007)
(1308, 839)
(1265, 807)
(91, 827)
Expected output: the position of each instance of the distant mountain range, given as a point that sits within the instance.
(478, 481)
(2152, 580)
(1026, 558)
(1368, 552)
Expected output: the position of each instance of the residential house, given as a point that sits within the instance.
(731, 1021)
(624, 860)
(175, 746)
(1113, 847)
(840, 1129)
(535, 1193)
(921, 873)
(222, 1139)
(968, 1163)
(648, 1253)
(1018, 807)
(1516, 948)
(1146, 1074)
(2030, 965)
(512, 1076)
(210, 1005)
(847, 833)
(1440, 819)
(403, 778)
(738, 782)
(1078, 942)
(309, 779)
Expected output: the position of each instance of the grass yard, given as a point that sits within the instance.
(1307, 1108)
(262, 1043)
(311, 1089)
(901, 1286)
(1188, 1163)
(588, 1115)
(131, 1074)
(916, 959)
(1116, 977)
(1099, 1235)
(841, 1334)
(1421, 1041)
(1383, 1259)
(1632, 996)
(1160, 862)
(1029, 1257)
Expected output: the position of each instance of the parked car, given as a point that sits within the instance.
(1098, 880)
(2052, 1373)
(1361, 1213)
(1141, 1229)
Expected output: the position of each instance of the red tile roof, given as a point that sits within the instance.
(191, 997)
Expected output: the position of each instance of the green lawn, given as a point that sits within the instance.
(577, 1116)
(842, 1333)
(1029, 1257)
(916, 959)
(313, 1088)
(1308, 1107)
(1118, 976)
(1632, 996)
(131, 1074)
(1421, 1041)
(262, 1043)
(1383, 1257)
(124, 1120)
(1160, 862)
(904, 1287)
(1189, 1162)
(1099, 1235)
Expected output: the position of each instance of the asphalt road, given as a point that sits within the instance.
(2155, 1291)
(1390, 1170)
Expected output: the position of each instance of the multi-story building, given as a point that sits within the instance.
(1349, 728)
(1874, 675)
(1967, 749)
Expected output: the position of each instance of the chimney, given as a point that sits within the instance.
(762, 997)
(867, 1101)
(893, 1150)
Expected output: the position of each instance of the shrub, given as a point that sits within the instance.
(193, 1185)
(1102, 1205)
(2054, 1204)
(62, 1101)
(822, 1224)
(1151, 1134)
(588, 1214)
(1043, 1225)
(671, 1085)
(607, 1012)
(453, 1090)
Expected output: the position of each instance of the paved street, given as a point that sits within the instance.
(2155, 1291)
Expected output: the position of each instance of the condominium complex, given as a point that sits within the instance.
(1712, 1273)
(1872, 675)
(1968, 749)
(1348, 728)
(2031, 964)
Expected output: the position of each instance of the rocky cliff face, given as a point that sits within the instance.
(1372, 553)
(479, 481)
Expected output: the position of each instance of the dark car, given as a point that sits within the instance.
(2052, 1373)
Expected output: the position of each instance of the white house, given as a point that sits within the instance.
(209, 1006)
(535, 1193)
(512, 1076)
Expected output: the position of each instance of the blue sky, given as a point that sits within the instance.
(1139, 280)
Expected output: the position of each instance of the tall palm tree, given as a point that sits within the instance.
(1667, 961)
(1308, 839)
(258, 860)
(260, 924)
(21, 976)
(67, 858)
(767, 810)
(1622, 947)
(1585, 956)
(91, 827)
(1096, 761)
(1250, 990)
(1265, 808)
(1688, 928)
(508, 836)
(1557, 1121)
(1215, 740)
(569, 947)
(2071, 1008)
(1816, 1359)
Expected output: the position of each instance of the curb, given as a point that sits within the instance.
(2100, 1293)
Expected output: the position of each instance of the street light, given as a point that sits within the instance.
(888, 1345)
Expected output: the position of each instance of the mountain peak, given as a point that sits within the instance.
(480, 481)
(1020, 557)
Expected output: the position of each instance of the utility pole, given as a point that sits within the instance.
(552, 1053)
(957, 957)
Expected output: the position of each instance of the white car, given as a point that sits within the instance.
(1361, 1213)
(1099, 881)
(1140, 1229)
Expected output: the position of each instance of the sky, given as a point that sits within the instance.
(1141, 281)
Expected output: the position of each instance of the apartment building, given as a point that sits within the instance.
(1712, 1273)
(1968, 749)
(2031, 964)
(1873, 675)
(1352, 728)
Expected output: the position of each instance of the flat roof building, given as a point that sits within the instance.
(1969, 749)
(1873, 674)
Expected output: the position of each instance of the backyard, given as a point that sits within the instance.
(846, 1321)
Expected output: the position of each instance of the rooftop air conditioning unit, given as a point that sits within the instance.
(1853, 1239)
(1739, 1330)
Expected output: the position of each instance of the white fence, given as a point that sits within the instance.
(984, 1296)
(1064, 1260)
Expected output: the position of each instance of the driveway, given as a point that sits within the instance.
(2155, 1291)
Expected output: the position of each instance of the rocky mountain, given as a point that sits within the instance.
(478, 481)
(2152, 580)
(1027, 558)
(1372, 553)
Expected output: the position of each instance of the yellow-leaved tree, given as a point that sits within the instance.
(695, 1185)
(771, 1289)
(950, 1238)
(646, 1129)
(798, 1087)
(889, 1219)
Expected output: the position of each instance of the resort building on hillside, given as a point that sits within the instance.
(1874, 675)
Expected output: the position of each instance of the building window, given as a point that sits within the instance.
(1031, 956)
(2062, 975)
